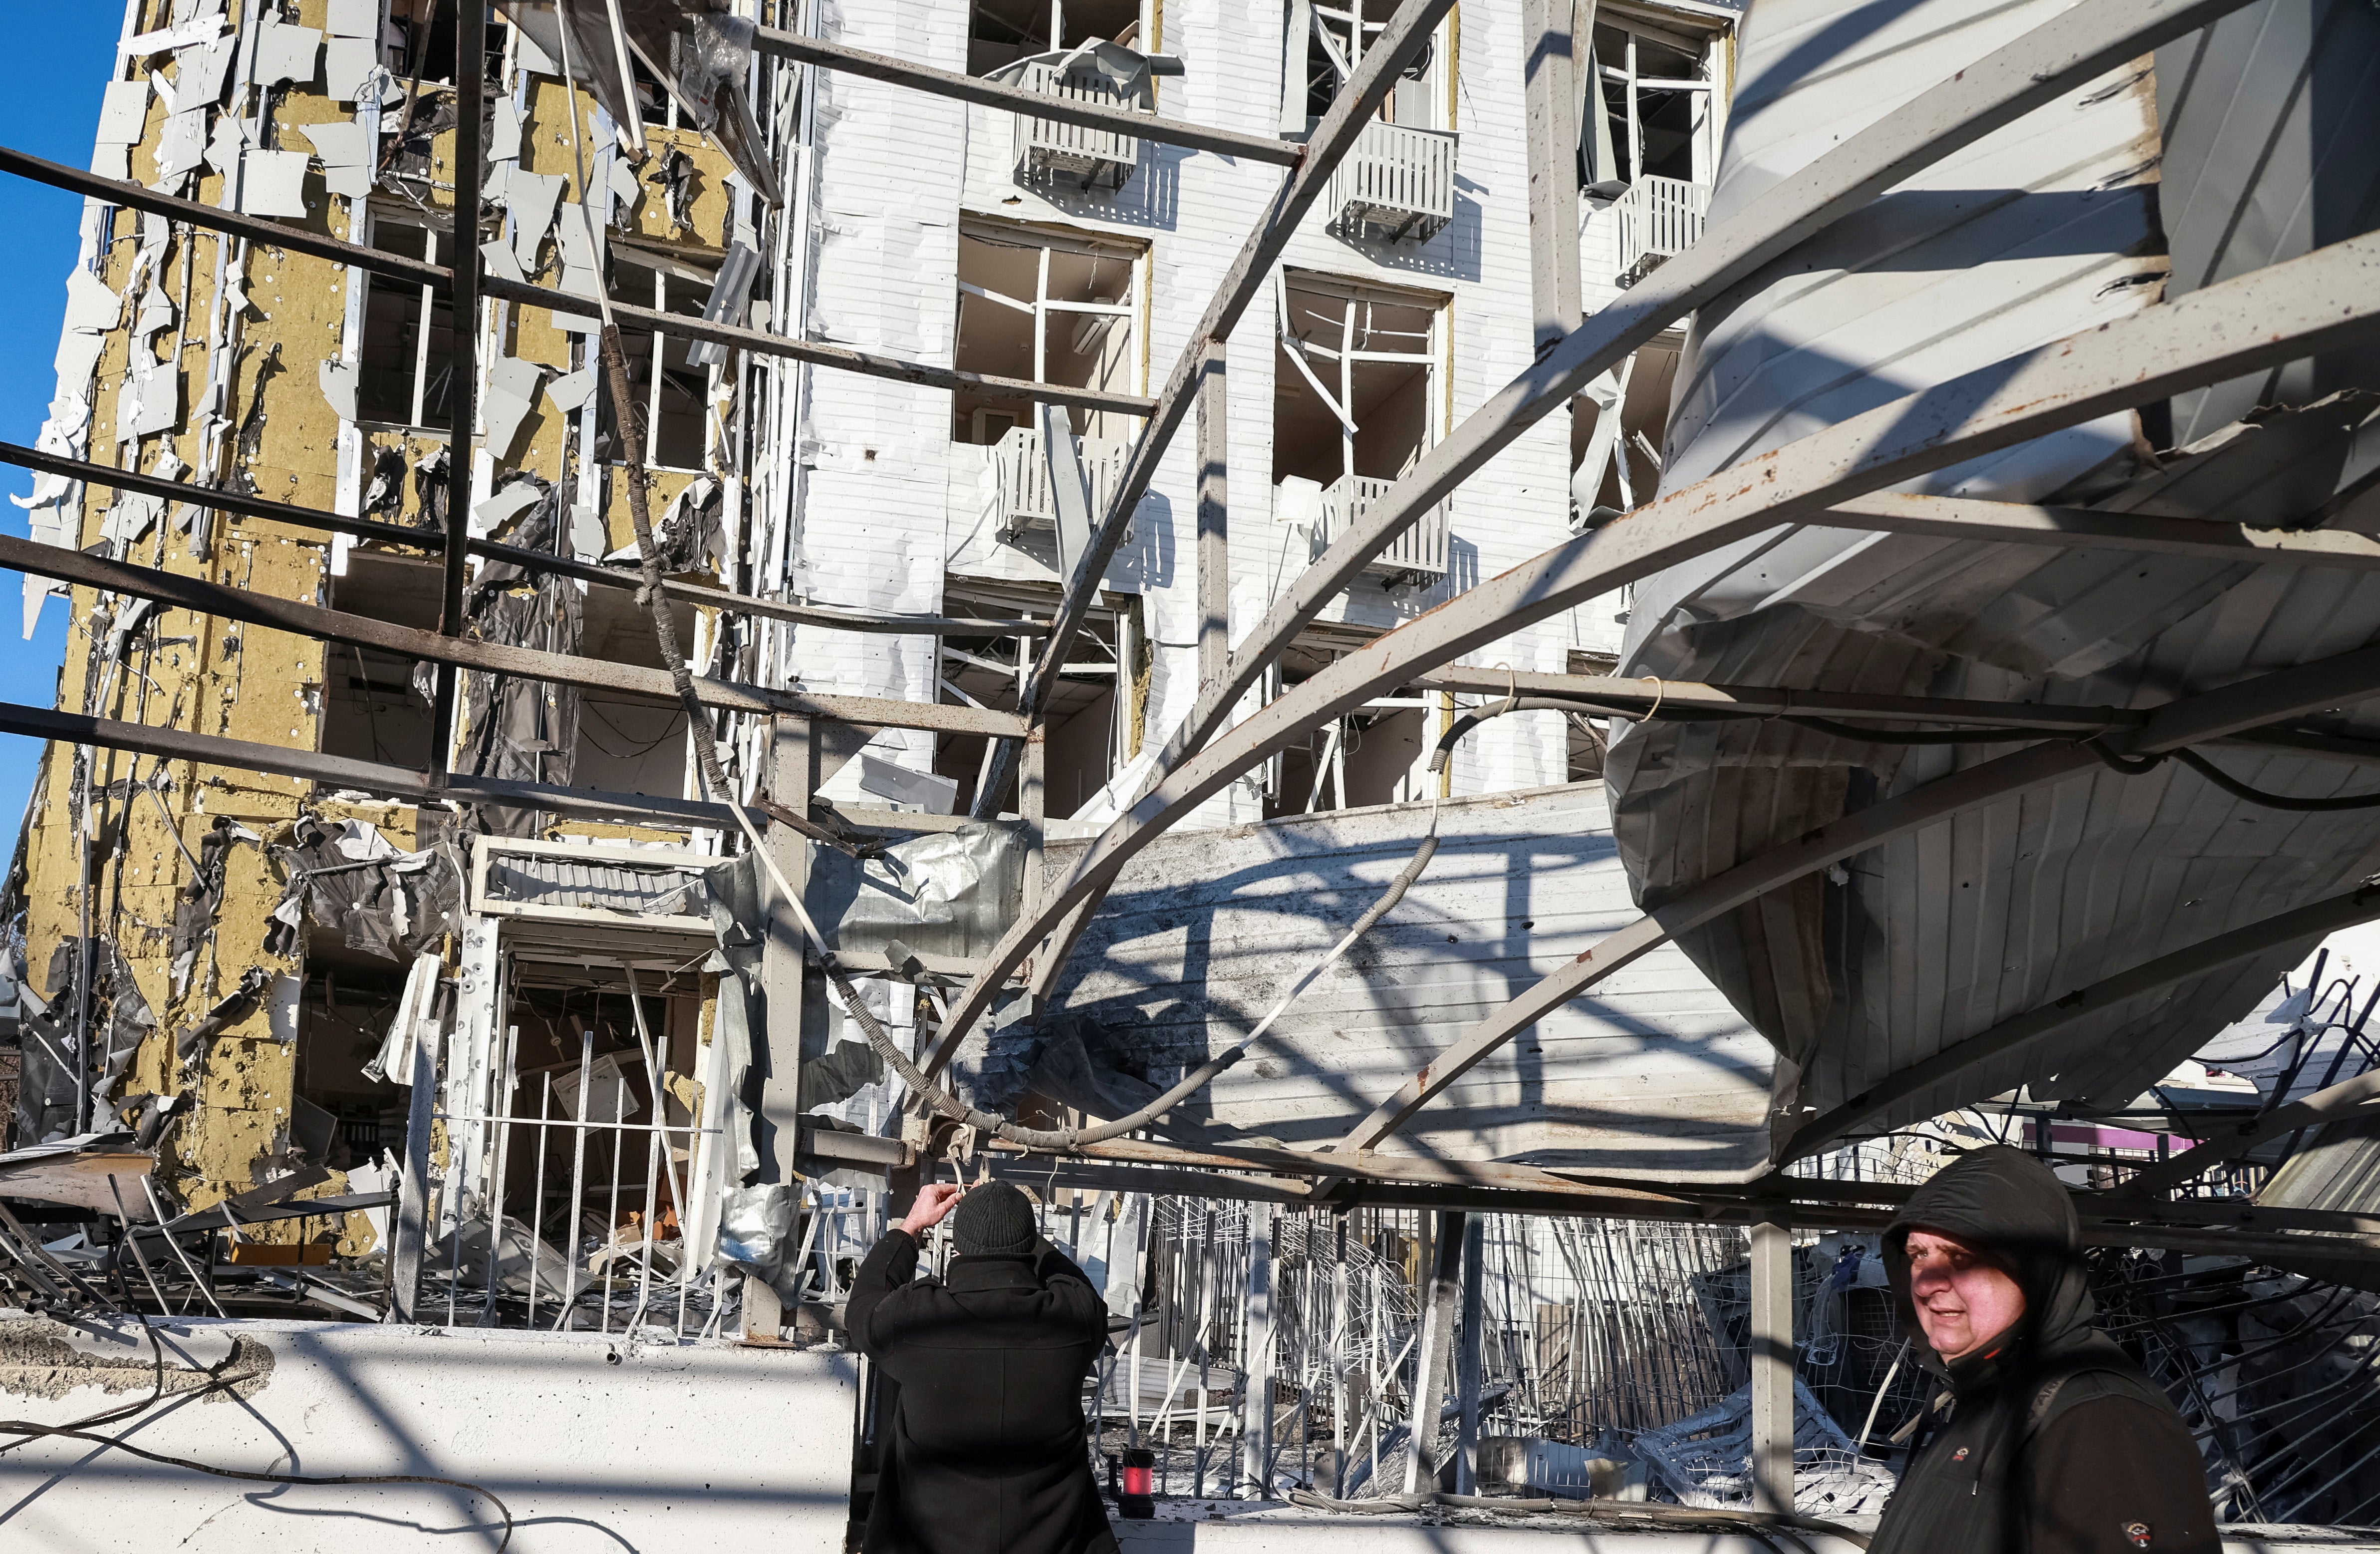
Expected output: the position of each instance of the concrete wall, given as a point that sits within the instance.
(594, 1443)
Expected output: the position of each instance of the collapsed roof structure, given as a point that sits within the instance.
(1790, 576)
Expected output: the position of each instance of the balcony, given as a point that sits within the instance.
(1397, 182)
(1658, 217)
(1418, 554)
(1050, 152)
(1021, 479)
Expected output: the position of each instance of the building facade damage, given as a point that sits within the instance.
(1468, 678)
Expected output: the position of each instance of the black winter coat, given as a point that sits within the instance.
(985, 1452)
(2048, 1440)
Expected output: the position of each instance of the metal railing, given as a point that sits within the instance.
(1658, 217)
(1048, 149)
(1419, 549)
(1021, 476)
(1397, 182)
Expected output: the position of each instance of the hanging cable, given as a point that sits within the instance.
(2134, 766)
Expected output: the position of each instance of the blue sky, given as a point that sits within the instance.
(68, 52)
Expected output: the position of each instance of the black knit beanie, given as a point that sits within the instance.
(993, 1220)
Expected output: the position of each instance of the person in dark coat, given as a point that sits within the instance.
(986, 1446)
(2046, 1438)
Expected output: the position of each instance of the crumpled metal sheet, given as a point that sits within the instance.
(389, 904)
(941, 893)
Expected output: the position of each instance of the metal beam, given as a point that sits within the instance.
(2064, 53)
(1767, 701)
(1960, 1058)
(340, 772)
(434, 542)
(1359, 100)
(2012, 523)
(415, 272)
(563, 669)
(471, 167)
(1771, 1353)
(992, 95)
(2358, 1096)
(867, 364)
(2060, 54)
(2260, 320)
(2279, 697)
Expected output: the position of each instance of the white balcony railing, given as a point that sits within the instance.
(1021, 478)
(1048, 150)
(1419, 551)
(1658, 217)
(1397, 182)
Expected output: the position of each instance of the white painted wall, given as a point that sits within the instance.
(595, 1444)
(895, 186)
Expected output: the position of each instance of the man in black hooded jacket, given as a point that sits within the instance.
(2046, 1438)
(985, 1452)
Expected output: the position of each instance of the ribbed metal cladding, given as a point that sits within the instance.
(1942, 933)
(633, 890)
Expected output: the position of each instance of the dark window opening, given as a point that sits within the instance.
(369, 708)
(1001, 31)
(672, 398)
(405, 376)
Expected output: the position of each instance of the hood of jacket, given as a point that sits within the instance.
(2004, 1200)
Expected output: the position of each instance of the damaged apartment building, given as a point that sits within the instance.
(1421, 660)
(250, 959)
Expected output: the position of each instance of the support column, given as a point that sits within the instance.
(1549, 103)
(1255, 1397)
(470, 77)
(792, 766)
(1436, 1349)
(1468, 1359)
(1772, 1366)
(1214, 520)
(411, 1231)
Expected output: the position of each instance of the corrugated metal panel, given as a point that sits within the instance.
(547, 880)
(1655, 1073)
(1945, 932)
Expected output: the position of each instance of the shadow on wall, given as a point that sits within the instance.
(1151, 197)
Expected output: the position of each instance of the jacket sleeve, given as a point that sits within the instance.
(1070, 1288)
(2115, 1476)
(890, 1264)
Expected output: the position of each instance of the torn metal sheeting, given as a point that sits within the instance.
(77, 1171)
(285, 52)
(274, 183)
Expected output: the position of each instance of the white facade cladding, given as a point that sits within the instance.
(895, 507)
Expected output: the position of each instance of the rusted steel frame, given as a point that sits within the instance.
(463, 375)
(1406, 33)
(256, 229)
(340, 772)
(2317, 303)
(2060, 54)
(1765, 701)
(2035, 69)
(562, 669)
(992, 95)
(1962, 1057)
(685, 327)
(1400, 1180)
(414, 272)
(2016, 523)
(533, 561)
(2282, 695)
(2358, 1096)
